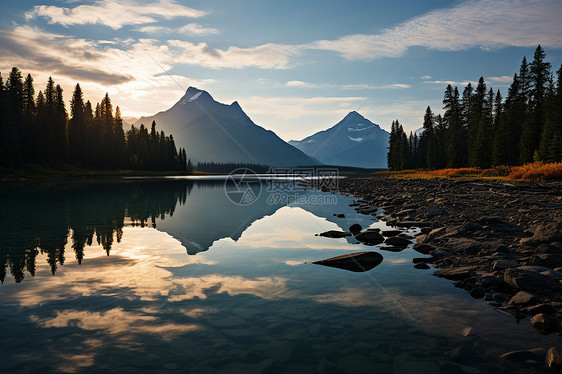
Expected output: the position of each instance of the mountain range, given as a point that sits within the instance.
(354, 141)
(215, 132)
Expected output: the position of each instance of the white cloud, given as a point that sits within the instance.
(502, 79)
(268, 56)
(114, 14)
(452, 83)
(134, 74)
(488, 24)
(197, 29)
(425, 77)
(190, 28)
(302, 84)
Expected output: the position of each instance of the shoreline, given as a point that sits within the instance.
(499, 241)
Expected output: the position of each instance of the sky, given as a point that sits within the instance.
(295, 67)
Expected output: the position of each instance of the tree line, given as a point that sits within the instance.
(480, 129)
(37, 129)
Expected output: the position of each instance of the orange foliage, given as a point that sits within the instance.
(536, 172)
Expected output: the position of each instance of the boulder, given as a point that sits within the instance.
(397, 241)
(421, 265)
(423, 248)
(335, 234)
(554, 359)
(537, 354)
(459, 273)
(370, 237)
(544, 324)
(355, 228)
(504, 264)
(358, 261)
(526, 280)
(522, 298)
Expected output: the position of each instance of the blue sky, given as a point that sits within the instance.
(295, 67)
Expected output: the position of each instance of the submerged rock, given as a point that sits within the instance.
(358, 261)
(335, 234)
(355, 228)
(397, 241)
(370, 236)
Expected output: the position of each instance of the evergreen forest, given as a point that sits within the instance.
(480, 129)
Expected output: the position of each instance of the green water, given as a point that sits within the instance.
(172, 277)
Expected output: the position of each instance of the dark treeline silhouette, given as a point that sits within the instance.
(41, 219)
(480, 129)
(38, 129)
(222, 167)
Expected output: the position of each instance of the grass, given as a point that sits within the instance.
(533, 172)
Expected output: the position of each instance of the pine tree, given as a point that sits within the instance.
(533, 126)
(14, 117)
(77, 128)
(475, 121)
(501, 134)
(119, 139)
(61, 126)
(29, 134)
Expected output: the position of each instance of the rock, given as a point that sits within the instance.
(339, 215)
(536, 354)
(522, 298)
(504, 264)
(471, 226)
(423, 248)
(355, 228)
(358, 261)
(414, 224)
(370, 236)
(434, 211)
(478, 292)
(335, 234)
(546, 259)
(459, 273)
(544, 324)
(392, 248)
(390, 233)
(527, 280)
(548, 232)
(490, 220)
(554, 359)
(398, 241)
(421, 265)
(539, 308)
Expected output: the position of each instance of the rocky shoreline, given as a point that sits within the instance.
(499, 241)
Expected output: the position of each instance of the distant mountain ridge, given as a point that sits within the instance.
(215, 132)
(354, 141)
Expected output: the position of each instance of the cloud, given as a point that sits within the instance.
(452, 83)
(190, 28)
(197, 29)
(41, 51)
(425, 77)
(113, 14)
(267, 56)
(344, 86)
(488, 24)
(502, 79)
(134, 72)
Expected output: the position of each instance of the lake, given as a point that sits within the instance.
(183, 275)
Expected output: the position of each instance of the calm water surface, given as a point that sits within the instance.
(171, 276)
